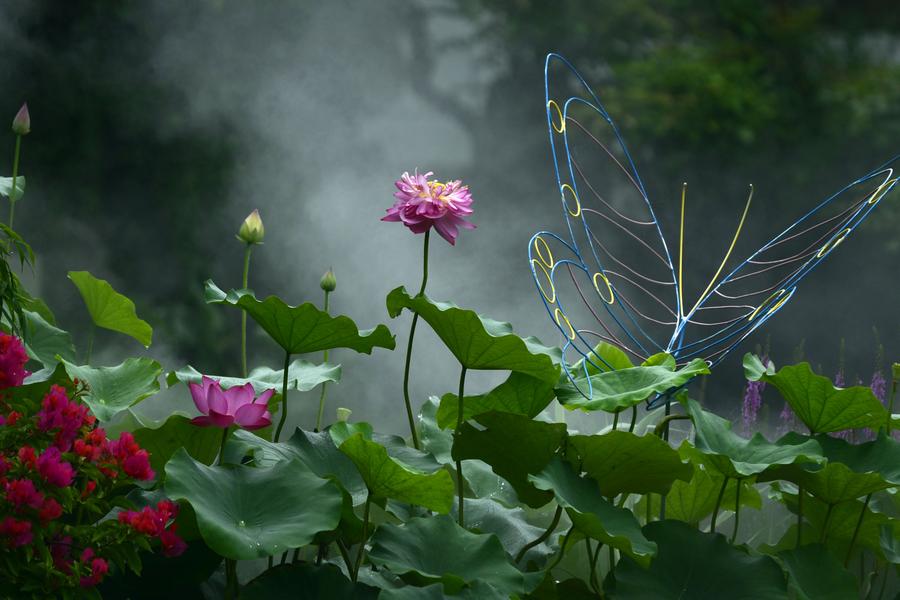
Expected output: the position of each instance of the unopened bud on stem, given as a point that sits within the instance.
(252, 230)
(21, 124)
(328, 282)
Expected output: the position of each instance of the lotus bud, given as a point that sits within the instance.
(343, 415)
(328, 282)
(22, 122)
(252, 230)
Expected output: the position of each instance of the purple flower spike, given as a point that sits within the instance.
(879, 386)
(237, 405)
(422, 204)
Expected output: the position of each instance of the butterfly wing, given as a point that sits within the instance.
(609, 276)
(762, 284)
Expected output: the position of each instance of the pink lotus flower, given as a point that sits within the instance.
(422, 204)
(236, 405)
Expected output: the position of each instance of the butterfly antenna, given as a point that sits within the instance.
(737, 234)
(681, 252)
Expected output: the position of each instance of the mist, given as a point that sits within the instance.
(323, 106)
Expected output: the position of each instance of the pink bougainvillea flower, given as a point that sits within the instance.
(12, 361)
(422, 204)
(54, 469)
(237, 405)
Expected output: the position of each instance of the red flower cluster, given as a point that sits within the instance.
(59, 476)
(156, 523)
(12, 361)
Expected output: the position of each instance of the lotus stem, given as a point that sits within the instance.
(562, 549)
(825, 525)
(90, 344)
(547, 533)
(231, 580)
(633, 419)
(592, 563)
(737, 511)
(15, 175)
(244, 283)
(460, 482)
(365, 533)
(799, 514)
(221, 460)
(859, 522)
(715, 514)
(409, 347)
(324, 383)
(615, 425)
(890, 419)
(284, 396)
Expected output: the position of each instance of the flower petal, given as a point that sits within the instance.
(264, 397)
(249, 414)
(220, 420)
(238, 396)
(198, 393)
(264, 421)
(201, 421)
(216, 400)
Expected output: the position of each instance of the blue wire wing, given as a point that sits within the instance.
(609, 276)
(762, 284)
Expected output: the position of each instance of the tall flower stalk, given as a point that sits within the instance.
(21, 126)
(251, 233)
(420, 205)
(328, 283)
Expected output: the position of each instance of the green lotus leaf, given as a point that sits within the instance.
(622, 462)
(692, 501)
(464, 557)
(815, 574)
(475, 590)
(514, 446)
(251, 512)
(607, 357)
(304, 328)
(735, 456)
(44, 342)
(815, 400)
(316, 450)
(302, 376)
(593, 515)
(478, 342)
(386, 477)
(484, 515)
(617, 390)
(302, 581)
(833, 483)
(6, 186)
(519, 394)
(162, 441)
(109, 309)
(114, 389)
(691, 564)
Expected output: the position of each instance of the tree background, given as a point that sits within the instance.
(158, 126)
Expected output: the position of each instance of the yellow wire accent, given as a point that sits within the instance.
(612, 297)
(833, 243)
(562, 190)
(556, 315)
(550, 299)
(562, 122)
(727, 254)
(875, 197)
(548, 261)
(768, 301)
(681, 252)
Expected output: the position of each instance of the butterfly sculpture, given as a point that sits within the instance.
(614, 269)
